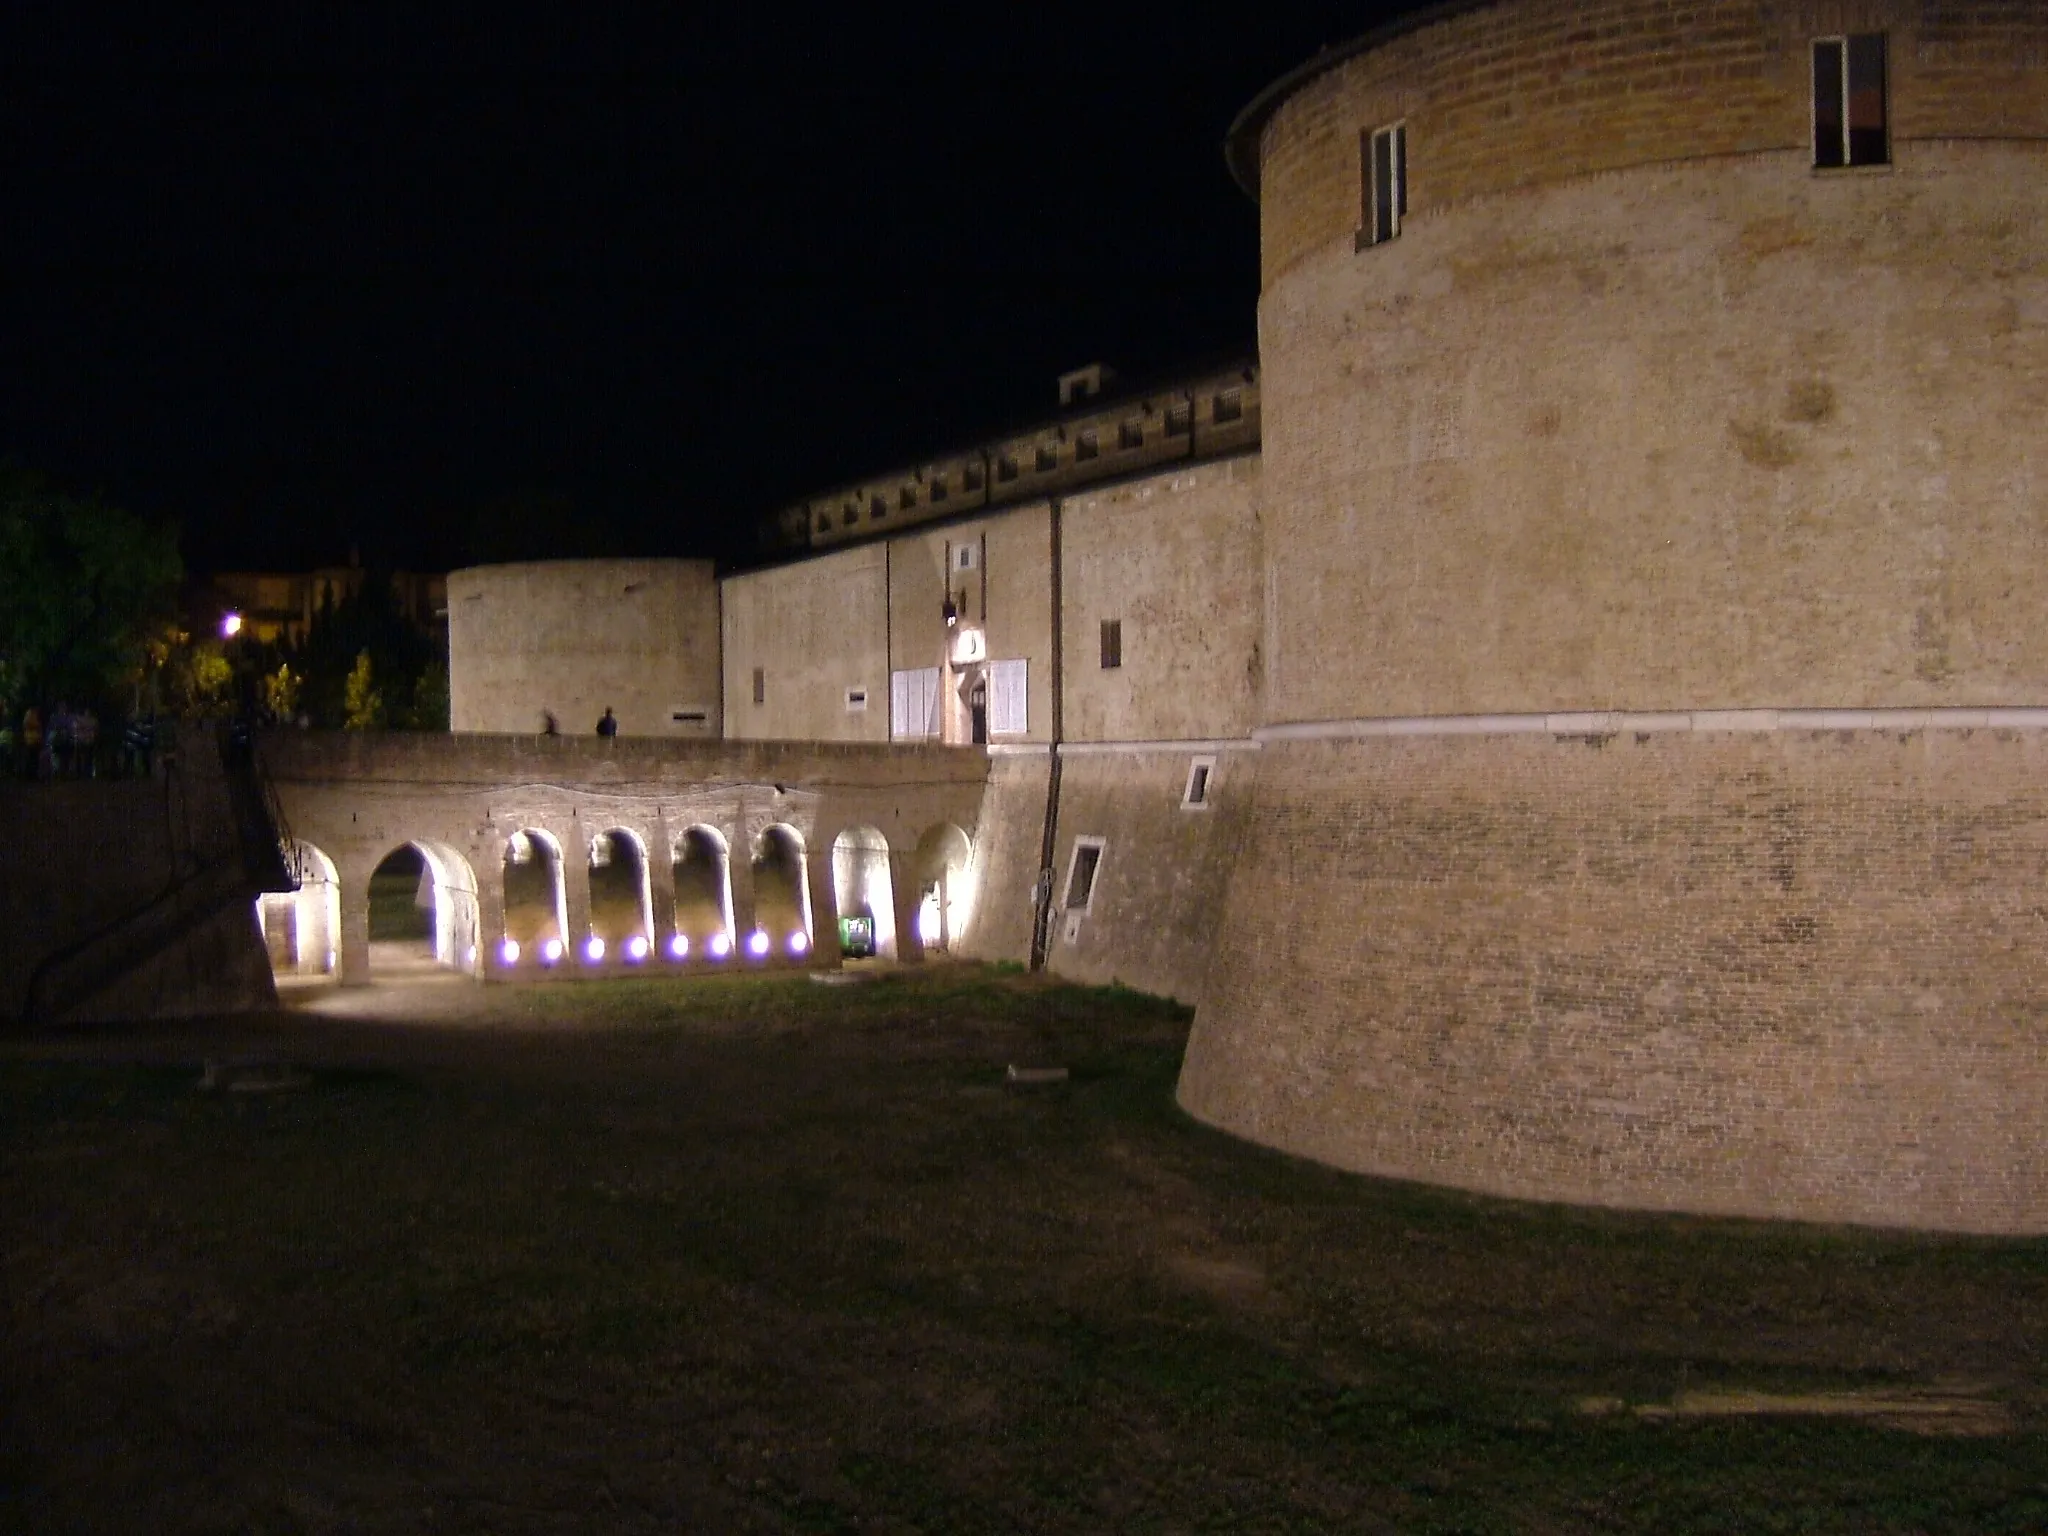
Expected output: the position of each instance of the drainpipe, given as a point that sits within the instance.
(1041, 891)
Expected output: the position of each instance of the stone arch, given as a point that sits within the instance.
(444, 892)
(536, 898)
(621, 895)
(863, 891)
(703, 876)
(782, 894)
(945, 874)
(302, 928)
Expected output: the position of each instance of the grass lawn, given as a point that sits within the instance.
(759, 1255)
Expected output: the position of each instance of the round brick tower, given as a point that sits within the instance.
(1653, 802)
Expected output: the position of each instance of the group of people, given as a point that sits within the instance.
(607, 724)
(65, 746)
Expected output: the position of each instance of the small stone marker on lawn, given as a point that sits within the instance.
(1026, 1077)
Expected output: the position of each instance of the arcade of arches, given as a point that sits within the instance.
(614, 899)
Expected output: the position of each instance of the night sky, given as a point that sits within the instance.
(531, 282)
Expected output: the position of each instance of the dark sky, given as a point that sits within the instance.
(319, 279)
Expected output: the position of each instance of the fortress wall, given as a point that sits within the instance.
(1784, 974)
(1717, 435)
(574, 636)
(1175, 559)
(1509, 96)
(1016, 546)
(1156, 909)
(1006, 853)
(815, 629)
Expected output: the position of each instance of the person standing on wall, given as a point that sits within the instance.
(608, 724)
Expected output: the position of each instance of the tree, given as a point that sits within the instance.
(368, 622)
(83, 589)
(281, 692)
(364, 705)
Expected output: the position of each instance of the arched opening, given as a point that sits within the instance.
(861, 889)
(536, 902)
(621, 901)
(703, 896)
(782, 897)
(423, 911)
(946, 882)
(302, 928)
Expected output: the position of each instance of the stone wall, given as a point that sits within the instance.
(76, 859)
(1726, 434)
(1156, 908)
(811, 633)
(1503, 97)
(1175, 560)
(574, 637)
(1791, 974)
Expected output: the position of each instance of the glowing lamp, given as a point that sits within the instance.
(679, 947)
(721, 945)
(636, 948)
(509, 952)
(230, 625)
(593, 949)
(757, 943)
(551, 951)
(798, 943)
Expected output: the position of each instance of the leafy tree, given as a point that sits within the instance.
(430, 698)
(368, 622)
(281, 691)
(83, 589)
(364, 706)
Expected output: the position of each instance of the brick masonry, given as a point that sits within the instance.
(1787, 974)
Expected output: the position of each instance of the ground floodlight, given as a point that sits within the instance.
(593, 949)
(636, 948)
(679, 946)
(509, 952)
(798, 943)
(757, 943)
(551, 951)
(721, 945)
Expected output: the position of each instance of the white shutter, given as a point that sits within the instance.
(1007, 692)
(913, 697)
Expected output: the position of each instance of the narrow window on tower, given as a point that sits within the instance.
(1850, 118)
(760, 685)
(1383, 158)
(1112, 643)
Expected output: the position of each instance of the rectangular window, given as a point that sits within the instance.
(824, 522)
(1196, 795)
(1131, 435)
(856, 701)
(1008, 683)
(963, 557)
(1006, 467)
(1383, 154)
(938, 488)
(970, 478)
(878, 508)
(1228, 406)
(914, 704)
(760, 685)
(906, 499)
(1086, 445)
(1048, 458)
(1177, 418)
(1112, 643)
(1850, 122)
(849, 515)
(1082, 869)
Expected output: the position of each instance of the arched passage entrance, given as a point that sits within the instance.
(945, 874)
(703, 874)
(863, 893)
(782, 896)
(536, 900)
(302, 928)
(621, 899)
(423, 911)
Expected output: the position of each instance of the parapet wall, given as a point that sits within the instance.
(1781, 973)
